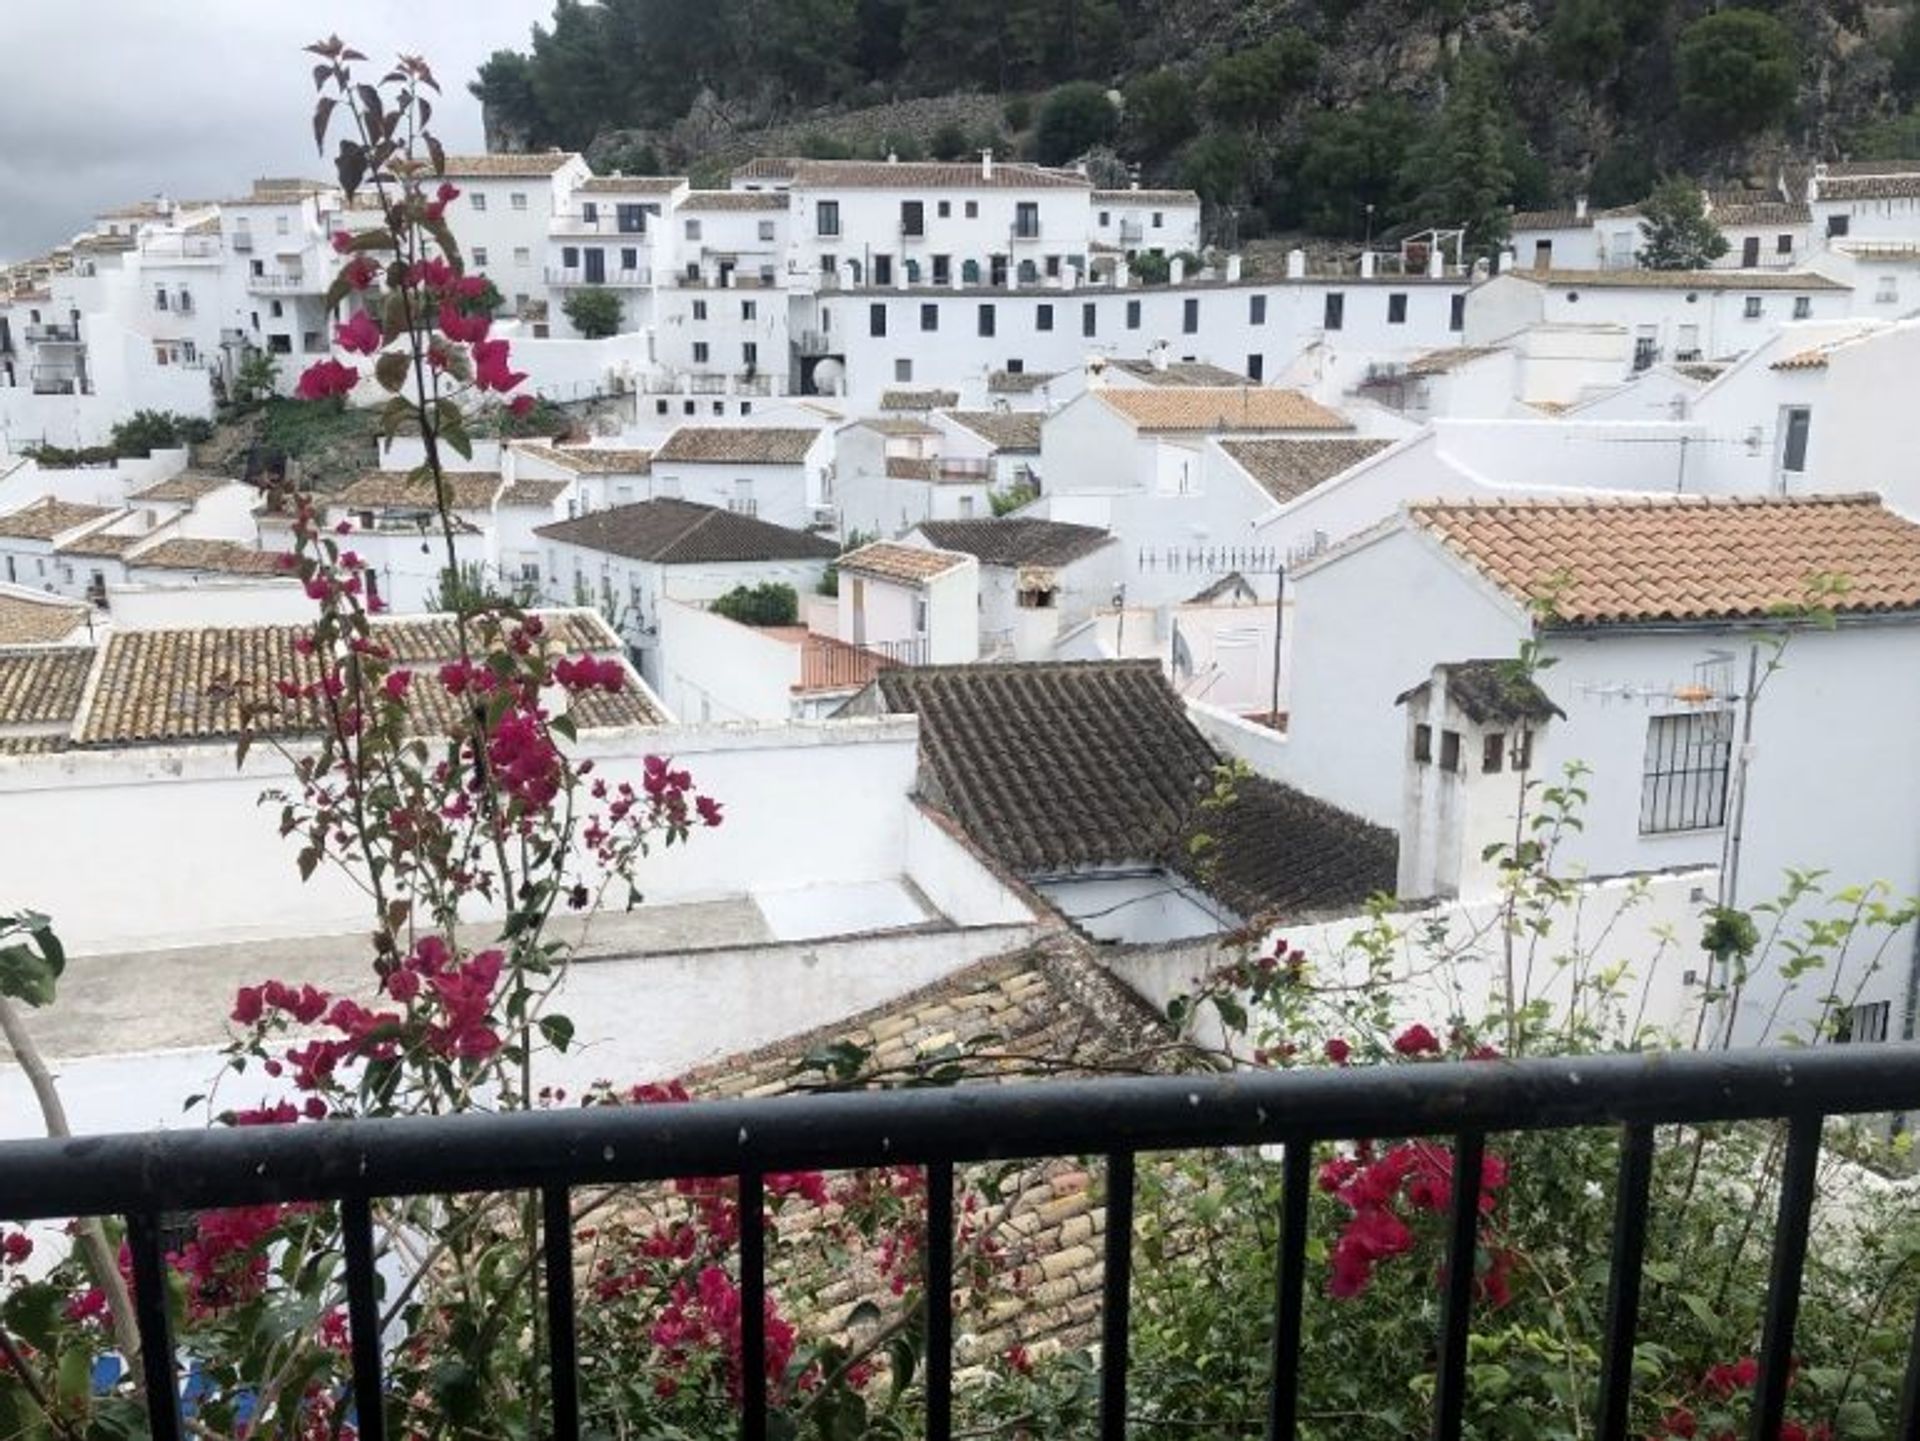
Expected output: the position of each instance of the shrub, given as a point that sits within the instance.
(594, 311)
(950, 142)
(1018, 113)
(1159, 112)
(1680, 236)
(1074, 119)
(1738, 73)
(769, 603)
(146, 431)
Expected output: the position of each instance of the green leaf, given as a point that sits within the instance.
(32, 1313)
(27, 976)
(391, 370)
(74, 1379)
(558, 1030)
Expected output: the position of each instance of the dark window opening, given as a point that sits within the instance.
(1423, 743)
(1493, 749)
(1450, 751)
(1684, 781)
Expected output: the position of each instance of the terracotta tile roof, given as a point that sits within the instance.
(507, 167)
(899, 425)
(1016, 540)
(591, 459)
(1180, 372)
(737, 445)
(1761, 212)
(534, 494)
(1017, 382)
(186, 487)
(1009, 430)
(1870, 187)
(918, 399)
(1443, 362)
(1055, 767)
(1251, 408)
(630, 184)
(35, 745)
(160, 686)
(47, 517)
(928, 175)
(679, 532)
(1549, 220)
(1812, 359)
(227, 557)
(397, 490)
(902, 564)
(1747, 280)
(1686, 558)
(1148, 197)
(1288, 469)
(42, 685)
(1870, 167)
(711, 200)
(1492, 692)
(768, 167)
(38, 621)
(103, 544)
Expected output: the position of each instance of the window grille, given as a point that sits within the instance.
(1684, 782)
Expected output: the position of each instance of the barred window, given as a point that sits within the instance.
(1864, 1023)
(1684, 783)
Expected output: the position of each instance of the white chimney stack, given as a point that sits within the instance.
(1436, 262)
(1120, 273)
(1579, 207)
(1233, 268)
(1366, 265)
(1158, 355)
(986, 164)
(1176, 271)
(1296, 265)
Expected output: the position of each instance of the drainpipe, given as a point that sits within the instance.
(1279, 600)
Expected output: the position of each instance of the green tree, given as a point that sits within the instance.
(1345, 161)
(146, 431)
(594, 311)
(1737, 73)
(1159, 113)
(508, 104)
(1218, 168)
(1253, 87)
(1074, 119)
(950, 142)
(1461, 172)
(1680, 234)
(767, 604)
(256, 377)
(1895, 138)
(1903, 54)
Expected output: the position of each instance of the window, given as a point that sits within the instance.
(1256, 310)
(1336, 312)
(1457, 313)
(699, 310)
(1493, 747)
(1753, 308)
(986, 320)
(766, 230)
(929, 316)
(276, 308)
(1015, 366)
(1795, 422)
(1026, 219)
(160, 298)
(1863, 1024)
(281, 225)
(280, 344)
(1043, 317)
(919, 615)
(1190, 315)
(700, 352)
(749, 309)
(883, 270)
(1838, 225)
(876, 320)
(1159, 218)
(479, 200)
(903, 370)
(826, 217)
(913, 217)
(1750, 251)
(1423, 744)
(629, 259)
(1089, 319)
(631, 219)
(1887, 292)
(944, 209)
(693, 228)
(1133, 315)
(518, 200)
(750, 353)
(480, 255)
(1396, 310)
(973, 210)
(1450, 751)
(522, 255)
(1803, 307)
(1106, 219)
(1256, 367)
(943, 270)
(1683, 783)
(569, 257)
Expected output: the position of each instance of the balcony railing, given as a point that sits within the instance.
(53, 334)
(564, 275)
(963, 467)
(600, 225)
(146, 1177)
(1131, 232)
(289, 283)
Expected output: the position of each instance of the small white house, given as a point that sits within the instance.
(912, 604)
(1038, 578)
(781, 474)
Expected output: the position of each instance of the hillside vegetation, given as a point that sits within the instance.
(1331, 116)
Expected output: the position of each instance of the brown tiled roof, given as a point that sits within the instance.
(737, 445)
(42, 685)
(1253, 408)
(1492, 692)
(899, 425)
(903, 564)
(679, 532)
(1687, 558)
(187, 487)
(1441, 362)
(1871, 167)
(1287, 469)
(1761, 212)
(506, 167)
(1016, 540)
(158, 686)
(918, 399)
(1550, 220)
(1055, 767)
(35, 745)
(768, 167)
(398, 490)
(1180, 372)
(1812, 359)
(1679, 279)
(227, 557)
(929, 175)
(1148, 197)
(1010, 430)
(631, 184)
(103, 544)
(1017, 382)
(38, 622)
(592, 459)
(47, 517)
(1870, 187)
(534, 494)
(734, 200)
(909, 467)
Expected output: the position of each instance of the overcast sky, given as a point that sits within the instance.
(110, 101)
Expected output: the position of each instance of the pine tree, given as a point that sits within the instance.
(1461, 173)
(1680, 235)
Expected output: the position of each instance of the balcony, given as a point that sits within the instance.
(241, 242)
(1132, 232)
(601, 225)
(559, 1158)
(182, 247)
(288, 283)
(963, 468)
(60, 383)
(565, 276)
(52, 334)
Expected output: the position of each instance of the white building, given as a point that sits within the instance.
(1157, 222)
(913, 604)
(1038, 578)
(781, 474)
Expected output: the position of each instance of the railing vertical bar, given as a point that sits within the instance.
(1623, 1284)
(1797, 1182)
(939, 1283)
(363, 1318)
(1118, 1297)
(1290, 1273)
(1456, 1299)
(1910, 1389)
(753, 1307)
(563, 1355)
(156, 1332)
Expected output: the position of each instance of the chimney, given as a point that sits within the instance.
(1120, 273)
(1296, 265)
(986, 164)
(1366, 265)
(1579, 207)
(1176, 271)
(1436, 262)
(1096, 372)
(1233, 268)
(893, 157)
(1158, 355)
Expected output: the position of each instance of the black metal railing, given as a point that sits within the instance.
(144, 1177)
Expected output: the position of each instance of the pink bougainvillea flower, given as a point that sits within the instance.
(360, 272)
(709, 810)
(467, 329)
(326, 379)
(342, 242)
(15, 1247)
(395, 685)
(1417, 1040)
(1337, 1051)
(361, 334)
(490, 370)
(521, 404)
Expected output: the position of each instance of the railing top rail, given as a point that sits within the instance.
(188, 1170)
